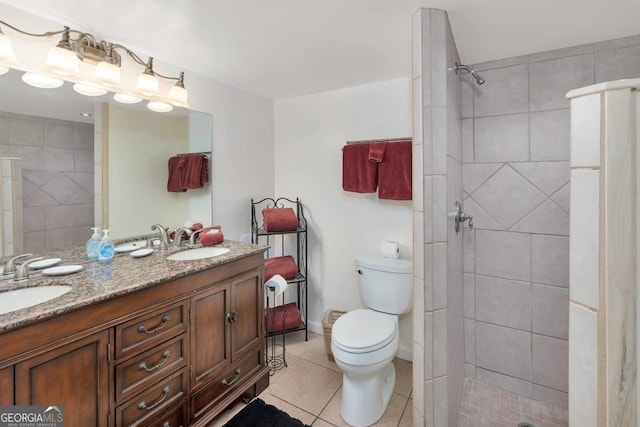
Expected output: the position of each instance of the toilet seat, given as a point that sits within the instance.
(364, 331)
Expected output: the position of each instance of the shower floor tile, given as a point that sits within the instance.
(485, 406)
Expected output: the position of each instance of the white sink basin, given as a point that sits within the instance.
(198, 253)
(27, 297)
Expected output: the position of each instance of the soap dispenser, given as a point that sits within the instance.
(93, 243)
(105, 249)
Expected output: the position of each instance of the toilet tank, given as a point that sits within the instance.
(386, 284)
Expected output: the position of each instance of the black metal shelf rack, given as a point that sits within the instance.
(292, 243)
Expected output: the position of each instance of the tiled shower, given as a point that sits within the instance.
(514, 133)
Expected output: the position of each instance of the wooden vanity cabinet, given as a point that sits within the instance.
(175, 354)
(75, 376)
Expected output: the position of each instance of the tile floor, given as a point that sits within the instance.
(485, 406)
(310, 388)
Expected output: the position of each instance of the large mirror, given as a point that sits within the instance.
(91, 160)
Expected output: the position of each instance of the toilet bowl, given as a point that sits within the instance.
(364, 343)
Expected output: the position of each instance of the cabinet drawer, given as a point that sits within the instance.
(175, 418)
(233, 377)
(138, 411)
(155, 327)
(137, 373)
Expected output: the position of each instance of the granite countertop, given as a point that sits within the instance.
(99, 282)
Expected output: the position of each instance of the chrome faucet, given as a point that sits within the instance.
(10, 266)
(22, 273)
(177, 238)
(194, 236)
(164, 237)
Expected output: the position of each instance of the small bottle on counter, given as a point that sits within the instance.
(93, 243)
(105, 249)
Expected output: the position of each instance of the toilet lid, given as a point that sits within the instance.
(363, 331)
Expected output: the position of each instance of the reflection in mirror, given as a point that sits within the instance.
(73, 171)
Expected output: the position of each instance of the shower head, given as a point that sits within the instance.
(479, 80)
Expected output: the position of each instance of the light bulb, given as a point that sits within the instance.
(7, 56)
(89, 90)
(107, 74)
(160, 107)
(148, 84)
(178, 96)
(41, 81)
(126, 99)
(62, 61)
(3, 70)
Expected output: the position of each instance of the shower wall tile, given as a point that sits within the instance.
(416, 45)
(503, 254)
(469, 296)
(507, 196)
(505, 382)
(549, 81)
(549, 132)
(428, 276)
(440, 402)
(418, 311)
(481, 218)
(34, 241)
(59, 159)
(417, 178)
(475, 174)
(466, 98)
(550, 260)
(561, 53)
(418, 378)
(547, 218)
(547, 176)
(440, 285)
(469, 370)
(440, 328)
(470, 341)
(83, 160)
(583, 366)
(561, 198)
(501, 63)
(429, 344)
(418, 244)
(503, 302)
(35, 196)
(27, 131)
(584, 265)
(508, 97)
(503, 350)
(5, 150)
(617, 43)
(467, 140)
(416, 98)
(32, 157)
(469, 257)
(548, 395)
(550, 358)
(617, 64)
(427, 141)
(439, 140)
(5, 131)
(83, 137)
(501, 138)
(440, 208)
(59, 134)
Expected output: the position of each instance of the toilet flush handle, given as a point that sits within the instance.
(359, 271)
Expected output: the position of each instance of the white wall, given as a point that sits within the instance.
(242, 158)
(309, 134)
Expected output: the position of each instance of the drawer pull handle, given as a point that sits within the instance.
(143, 329)
(143, 365)
(143, 405)
(232, 381)
(231, 317)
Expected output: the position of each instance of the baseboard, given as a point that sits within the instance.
(315, 327)
(404, 354)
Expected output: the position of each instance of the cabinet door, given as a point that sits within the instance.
(247, 304)
(75, 376)
(210, 341)
(6, 386)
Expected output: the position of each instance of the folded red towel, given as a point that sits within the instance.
(207, 239)
(359, 175)
(282, 265)
(283, 317)
(196, 170)
(279, 219)
(176, 169)
(394, 173)
(376, 151)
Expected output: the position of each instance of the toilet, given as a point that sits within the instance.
(364, 341)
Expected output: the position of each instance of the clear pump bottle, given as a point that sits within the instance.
(105, 249)
(93, 243)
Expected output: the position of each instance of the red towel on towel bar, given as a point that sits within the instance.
(196, 171)
(376, 151)
(176, 172)
(279, 219)
(394, 173)
(282, 265)
(359, 175)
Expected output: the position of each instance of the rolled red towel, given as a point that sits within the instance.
(279, 219)
(283, 317)
(208, 239)
(282, 265)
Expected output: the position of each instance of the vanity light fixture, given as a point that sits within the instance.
(74, 46)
